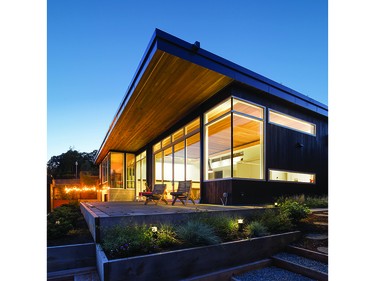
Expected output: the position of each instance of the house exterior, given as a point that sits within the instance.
(189, 114)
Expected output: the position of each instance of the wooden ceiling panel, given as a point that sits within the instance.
(168, 90)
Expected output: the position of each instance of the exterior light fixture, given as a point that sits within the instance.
(154, 231)
(276, 204)
(240, 225)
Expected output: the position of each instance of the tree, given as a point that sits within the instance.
(64, 165)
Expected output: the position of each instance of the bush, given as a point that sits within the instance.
(294, 211)
(167, 237)
(275, 221)
(128, 241)
(256, 229)
(317, 201)
(224, 226)
(62, 219)
(197, 233)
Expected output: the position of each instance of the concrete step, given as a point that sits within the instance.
(298, 264)
(76, 274)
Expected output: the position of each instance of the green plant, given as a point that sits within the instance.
(294, 210)
(225, 227)
(317, 201)
(256, 229)
(275, 221)
(166, 236)
(62, 219)
(128, 241)
(197, 233)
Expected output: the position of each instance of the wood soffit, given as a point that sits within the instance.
(169, 89)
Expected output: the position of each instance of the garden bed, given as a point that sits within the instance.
(186, 263)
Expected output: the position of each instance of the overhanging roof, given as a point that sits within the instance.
(173, 78)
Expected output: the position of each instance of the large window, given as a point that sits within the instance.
(117, 170)
(130, 170)
(104, 170)
(278, 175)
(140, 175)
(177, 158)
(291, 122)
(234, 133)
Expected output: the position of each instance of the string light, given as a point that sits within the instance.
(79, 189)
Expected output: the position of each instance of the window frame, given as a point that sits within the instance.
(291, 117)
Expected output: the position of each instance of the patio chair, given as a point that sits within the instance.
(157, 194)
(183, 192)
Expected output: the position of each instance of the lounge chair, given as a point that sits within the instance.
(157, 195)
(183, 192)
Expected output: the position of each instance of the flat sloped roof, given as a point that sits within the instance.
(173, 78)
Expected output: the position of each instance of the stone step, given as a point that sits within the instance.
(301, 265)
(316, 236)
(76, 274)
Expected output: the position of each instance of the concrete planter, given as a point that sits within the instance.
(70, 257)
(187, 263)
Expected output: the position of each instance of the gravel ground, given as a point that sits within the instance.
(303, 261)
(271, 274)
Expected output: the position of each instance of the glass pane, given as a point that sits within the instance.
(158, 168)
(218, 149)
(247, 108)
(157, 146)
(193, 151)
(291, 122)
(166, 141)
(247, 147)
(193, 126)
(140, 172)
(167, 169)
(178, 134)
(291, 176)
(179, 162)
(130, 170)
(218, 111)
(117, 170)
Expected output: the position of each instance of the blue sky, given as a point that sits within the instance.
(94, 48)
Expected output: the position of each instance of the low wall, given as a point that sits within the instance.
(98, 225)
(187, 263)
(70, 256)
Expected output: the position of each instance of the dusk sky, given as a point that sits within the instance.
(94, 48)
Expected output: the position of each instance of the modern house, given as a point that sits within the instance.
(189, 114)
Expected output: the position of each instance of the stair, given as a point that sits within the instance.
(296, 263)
(76, 274)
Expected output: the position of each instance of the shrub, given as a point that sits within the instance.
(166, 236)
(128, 241)
(317, 201)
(62, 219)
(294, 210)
(197, 233)
(256, 229)
(275, 221)
(225, 227)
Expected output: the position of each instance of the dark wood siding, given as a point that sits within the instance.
(281, 152)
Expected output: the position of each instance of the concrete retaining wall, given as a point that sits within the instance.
(70, 256)
(191, 262)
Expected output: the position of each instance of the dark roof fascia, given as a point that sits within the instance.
(175, 46)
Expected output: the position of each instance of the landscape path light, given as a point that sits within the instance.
(240, 225)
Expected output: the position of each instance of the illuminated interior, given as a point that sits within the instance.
(277, 175)
(239, 155)
(291, 122)
(177, 158)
